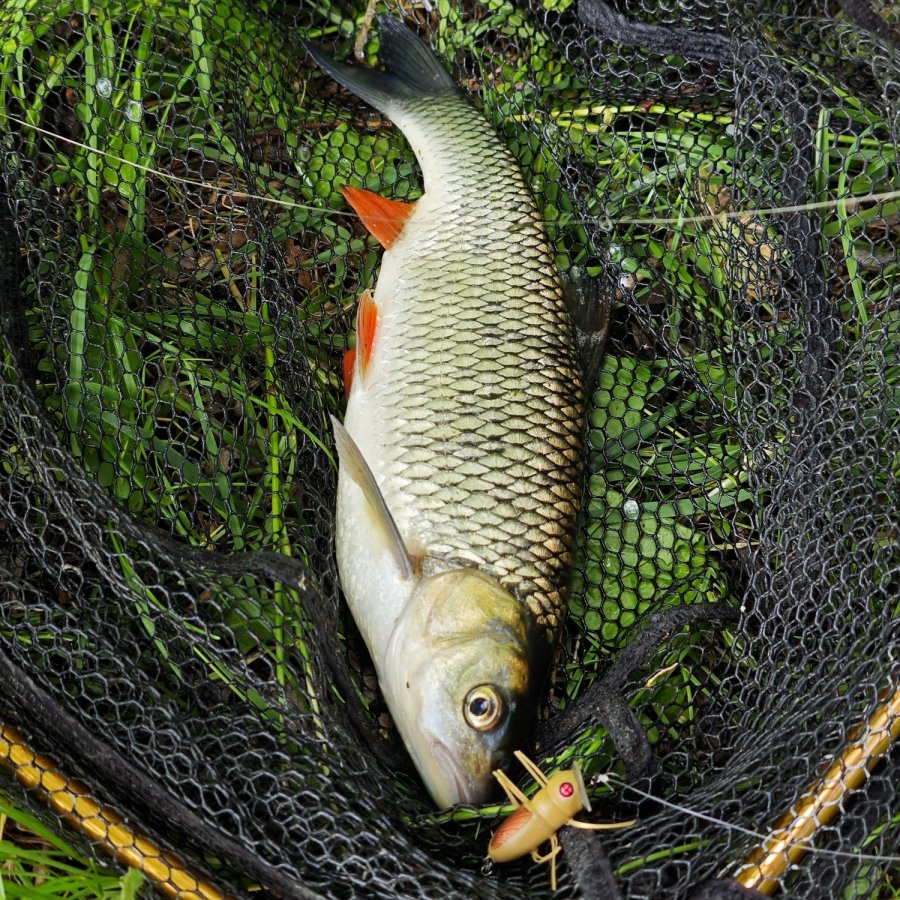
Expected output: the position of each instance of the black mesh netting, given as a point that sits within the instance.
(179, 274)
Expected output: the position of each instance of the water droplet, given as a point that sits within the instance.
(631, 508)
(134, 111)
(104, 87)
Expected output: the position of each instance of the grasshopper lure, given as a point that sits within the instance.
(536, 820)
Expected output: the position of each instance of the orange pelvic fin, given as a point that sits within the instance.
(382, 217)
(349, 367)
(366, 326)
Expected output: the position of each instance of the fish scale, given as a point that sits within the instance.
(464, 424)
(482, 386)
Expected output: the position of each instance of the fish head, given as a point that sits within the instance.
(460, 678)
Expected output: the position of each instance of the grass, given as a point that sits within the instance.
(35, 863)
(166, 367)
(161, 398)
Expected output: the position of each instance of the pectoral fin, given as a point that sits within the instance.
(355, 466)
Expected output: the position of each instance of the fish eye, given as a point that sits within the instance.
(483, 708)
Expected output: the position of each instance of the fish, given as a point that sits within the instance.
(459, 457)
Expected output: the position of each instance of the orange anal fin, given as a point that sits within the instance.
(366, 326)
(382, 217)
(349, 366)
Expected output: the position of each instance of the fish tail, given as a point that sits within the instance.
(412, 70)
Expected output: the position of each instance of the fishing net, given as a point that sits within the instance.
(178, 274)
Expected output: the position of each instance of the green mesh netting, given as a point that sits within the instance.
(178, 276)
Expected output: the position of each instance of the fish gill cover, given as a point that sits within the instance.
(178, 278)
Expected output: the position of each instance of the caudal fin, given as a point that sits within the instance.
(411, 68)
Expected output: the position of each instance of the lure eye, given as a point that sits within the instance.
(483, 708)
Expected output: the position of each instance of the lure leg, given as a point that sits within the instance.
(550, 857)
(516, 797)
(531, 768)
(554, 851)
(600, 826)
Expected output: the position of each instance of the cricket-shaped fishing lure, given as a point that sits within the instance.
(535, 821)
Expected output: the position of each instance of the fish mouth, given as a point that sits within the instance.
(447, 784)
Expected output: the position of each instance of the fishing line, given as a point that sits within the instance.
(603, 221)
(176, 178)
(769, 210)
(686, 810)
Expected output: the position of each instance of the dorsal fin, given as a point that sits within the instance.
(383, 218)
(351, 460)
(589, 305)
